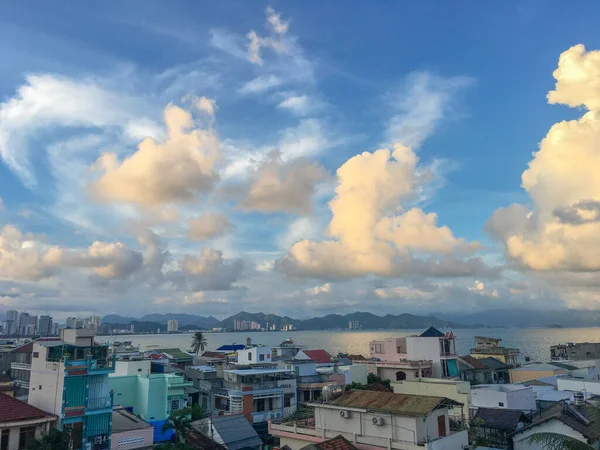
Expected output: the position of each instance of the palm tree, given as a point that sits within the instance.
(555, 441)
(199, 342)
(179, 421)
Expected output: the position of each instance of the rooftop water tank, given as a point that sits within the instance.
(331, 392)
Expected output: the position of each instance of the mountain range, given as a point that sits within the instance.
(523, 318)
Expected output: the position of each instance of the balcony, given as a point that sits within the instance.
(95, 404)
(20, 366)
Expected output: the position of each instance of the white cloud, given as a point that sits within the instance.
(561, 232)
(209, 226)
(175, 170)
(370, 234)
(275, 40)
(420, 105)
(300, 105)
(23, 256)
(207, 272)
(260, 84)
(200, 298)
(322, 289)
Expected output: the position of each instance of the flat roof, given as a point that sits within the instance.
(257, 371)
(123, 420)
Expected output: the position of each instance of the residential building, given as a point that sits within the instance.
(504, 396)
(565, 419)
(483, 370)
(337, 443)
(152, 396)
(373, 420)
(356, 325)
(130, 431)
(73, 322)
(45, 326)
(321, 357)
(350, 324)
(207, 380)
(27, 324)
(497, 425)
(258, 393)
(171, 355)
(588, 385)
(459, 391)
(172, 325)
(12, 322)
(287, 349)
(227, 349)
(489, 346)
(21, 423)
(20, 365)
(575, 352)
(232, 432)
(7, 385)
(431, 354)
(69, 378)
(534, 371)
(254, 355)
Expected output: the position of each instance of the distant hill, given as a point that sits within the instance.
(116, 319)
(526, 318)
(333, 321)
(138, 326)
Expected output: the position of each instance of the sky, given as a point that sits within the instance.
(299, 158)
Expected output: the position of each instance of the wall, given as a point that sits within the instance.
(137, 439)
(125, 392)
(256, 353)
(459, 391)
(390, 373)
(50, 376)
(146, 394)
(518, 375)
(455, 442)
(431, 424)
(14, 432)
(425, 348)
(570, 384)
(552, 426)
(523, 399)
(302, 369)
(357, 373)
(123, 368)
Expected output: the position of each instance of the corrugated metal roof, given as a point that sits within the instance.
(236, 432)
(402, 404)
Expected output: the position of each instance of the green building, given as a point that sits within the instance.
(152, 396)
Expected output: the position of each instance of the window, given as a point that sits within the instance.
(378, 348)
(36, 354)
(26, 436)
(249, 356)
(500, 404)
(4, 439)
(287, 401)
(40, 387)
(175, 404)
(139, 370)
(261, 357)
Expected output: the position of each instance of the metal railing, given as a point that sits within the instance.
(99, 403)
(22, 366)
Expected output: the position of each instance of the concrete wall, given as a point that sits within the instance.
(519, 375)
(41, 429)
(50, 376)
(123, 368)
(455, 442)
(126, 440)
(357, 373)
(302, 369)
(459, 391)
(523, 399)
(552, 426)
(571, 384)
(253, 355)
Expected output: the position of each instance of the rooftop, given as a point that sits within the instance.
(203, 368)
(257, 371)
(13, 410)
(505, 420)
(500, 387)
(236, 432)
(432, 332)
(231, 348)
(320, 356)
(401, 404)
(569, 416)
(123, 420)
(337, 443)
(173, 353)
(539, 366)
(473, 362)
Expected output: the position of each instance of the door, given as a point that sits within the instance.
(442, 426)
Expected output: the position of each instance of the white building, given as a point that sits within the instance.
(505, 396)
(372, 420)
(172, 325)
(459, 391)
(254, 355)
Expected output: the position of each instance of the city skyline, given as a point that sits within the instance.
(298, 159)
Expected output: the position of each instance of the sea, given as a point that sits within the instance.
(533, 342)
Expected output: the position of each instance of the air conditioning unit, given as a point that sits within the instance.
(378, 421)
(345, 414)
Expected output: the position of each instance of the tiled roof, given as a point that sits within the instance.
(356, 358)
(174, 353)
(13, 410)
(500, 419)
(473, 362)
(320, 356)
(28, 348)
(337, 443)
(432, 332)
(401, 404)
(199, 441)
(209, 354)
(493, 363)
(236, 432)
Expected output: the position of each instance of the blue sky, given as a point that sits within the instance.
(277, 97)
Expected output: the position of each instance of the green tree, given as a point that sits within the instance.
(54, 440)
(555, 441)
(179, 421)
(199, 342)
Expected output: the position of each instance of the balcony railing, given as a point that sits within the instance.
(93, 404)
(20, 366)
(496, 351)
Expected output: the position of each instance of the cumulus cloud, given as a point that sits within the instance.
(369, 230)
(174, 170)
(322, 289)
(276, 185)
(207, 272)
(200, 298)
(561, 231)
(209, 226)
(421, 103)
(23, 256)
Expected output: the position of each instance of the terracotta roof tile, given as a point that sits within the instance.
(473, 362)
(13, 410)
(320, 356)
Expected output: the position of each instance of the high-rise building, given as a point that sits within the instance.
(45, 326)
(96, 320)
(350, 324)
(55, 329)
(71, 322)
(172, 325)
(12, 322)
(27, 324)
(356, 325)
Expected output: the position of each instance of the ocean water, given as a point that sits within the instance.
(533, 342)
